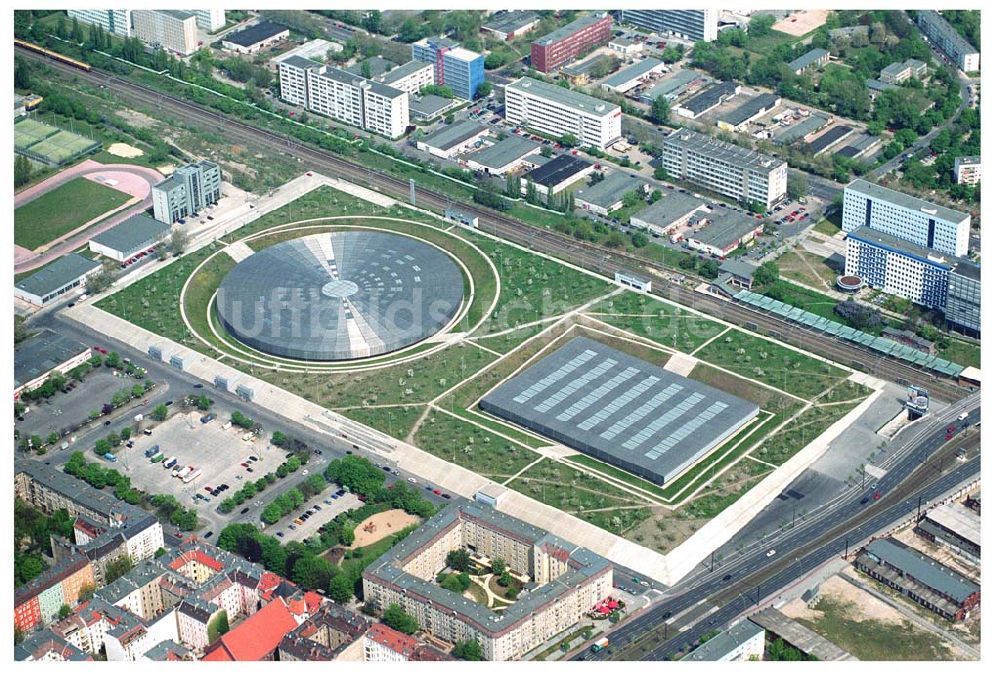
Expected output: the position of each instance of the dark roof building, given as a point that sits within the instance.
(619, 409)
(255, 37)
(608, 194)
(814, 58)
(820, 145)
(508, 25)
(502, 156)
(559, 173)
(736, 120)
(42, 354)
(130, 237)
(705, 100)
(453, 139)
(930, 584)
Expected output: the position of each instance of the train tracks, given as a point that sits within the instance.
(589, 256)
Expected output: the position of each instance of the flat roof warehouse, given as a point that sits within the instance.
(620, 409)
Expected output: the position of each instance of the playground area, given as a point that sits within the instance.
(800, 23)
(380, 525)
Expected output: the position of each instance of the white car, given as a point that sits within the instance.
(770, 553)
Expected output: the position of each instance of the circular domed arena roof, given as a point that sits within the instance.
(340, 295)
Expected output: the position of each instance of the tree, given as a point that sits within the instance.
(398, 619)
(659, 112)
(86, 592)
(766, 274)
(459, 559)
(484, 89)
(468, 650)
(498, 566)
(117, 568)
(22, 73)
(639, 240)
(218, 626)
(568, 140)
(372, 21)
(160, 412)
(798, 185)
(760, 25)
(341, 588)
(65, 611)
(178, 242)
(22, 171)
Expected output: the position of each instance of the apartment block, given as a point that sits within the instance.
(965, 292)
(918, 221)
(689, 24)
(457, 68)
(944, 36)
(557, 111)
(899, 267)
(565, 44)
(187, 191)
(115, 21)
(569, 580)
(38, 602)
(744, 175)
(410, 77)
(211, 19)
(968, 170)
(173, 30)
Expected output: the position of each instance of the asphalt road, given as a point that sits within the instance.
(736, 587)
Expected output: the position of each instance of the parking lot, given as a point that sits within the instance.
(216, 451)
(330, 505)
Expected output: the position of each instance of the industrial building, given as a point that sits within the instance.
(954, 526)
(629, 413)
(259, 36)
(453, 139)
(671, 87)
(509, 25)
(565, 44)
(607, 195)
(722, 231)
(779, 626)
(172, 29)
(899, 267)
(814, 58)
(503, 156)
(825, 142)
(739, 119)
(690, 24)
(739, 643)
(965, 291)
(918, 577)
(968, 170)
(670, 213)
(557, 174)
(344, 96)
(710, 98)
(918, 221)
(56, 278)
(632, 76)
(566, 580)
(744, 175)
(944, 36)
(43, 354)
(457, 68)
(188, 190)
(556, 111)
(424, 108)
(137, 234)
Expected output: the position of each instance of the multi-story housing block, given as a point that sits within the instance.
(557, 111)
(565, 44)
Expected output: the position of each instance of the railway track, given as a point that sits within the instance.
(592, 257)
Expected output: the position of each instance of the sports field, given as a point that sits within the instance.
(62, 210)
(49, 144)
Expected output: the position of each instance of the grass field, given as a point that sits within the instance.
(469, 446)
(663, 323)
(47, 218)
(772, 364)
(396, 421)
(799, 432)
(581, 495)
(963, 353)
(808, 268)
(824, 226)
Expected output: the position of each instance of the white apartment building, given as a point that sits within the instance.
(690, 24)
(557, 111)
(410, 77)
(171, 29)
(899, 267)
(115, 21)
(210, 19)
(349, 98)
(968, 170)
(920, 222)
(744, 175)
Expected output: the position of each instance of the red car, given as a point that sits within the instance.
(437, 492)
(208, 489)
(245, 464)
(878, 495)
(802, 217)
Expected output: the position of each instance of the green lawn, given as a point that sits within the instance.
(771, 363)
(582, 496)
(464, 444)
(824, 226)
(961, 352)
(800, 432)
(808, 268)
(396, 421)
(62, 210)
(663, 323)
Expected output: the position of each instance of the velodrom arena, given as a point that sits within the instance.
(340, 295)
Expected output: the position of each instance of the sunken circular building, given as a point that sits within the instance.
(340, 295)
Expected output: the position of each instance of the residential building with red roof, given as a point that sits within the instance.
(257, 637)
(384, 644)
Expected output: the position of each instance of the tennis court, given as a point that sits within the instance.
(27, 132)
(49, 144)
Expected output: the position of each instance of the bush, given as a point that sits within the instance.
(859, 316)
(398, 619)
